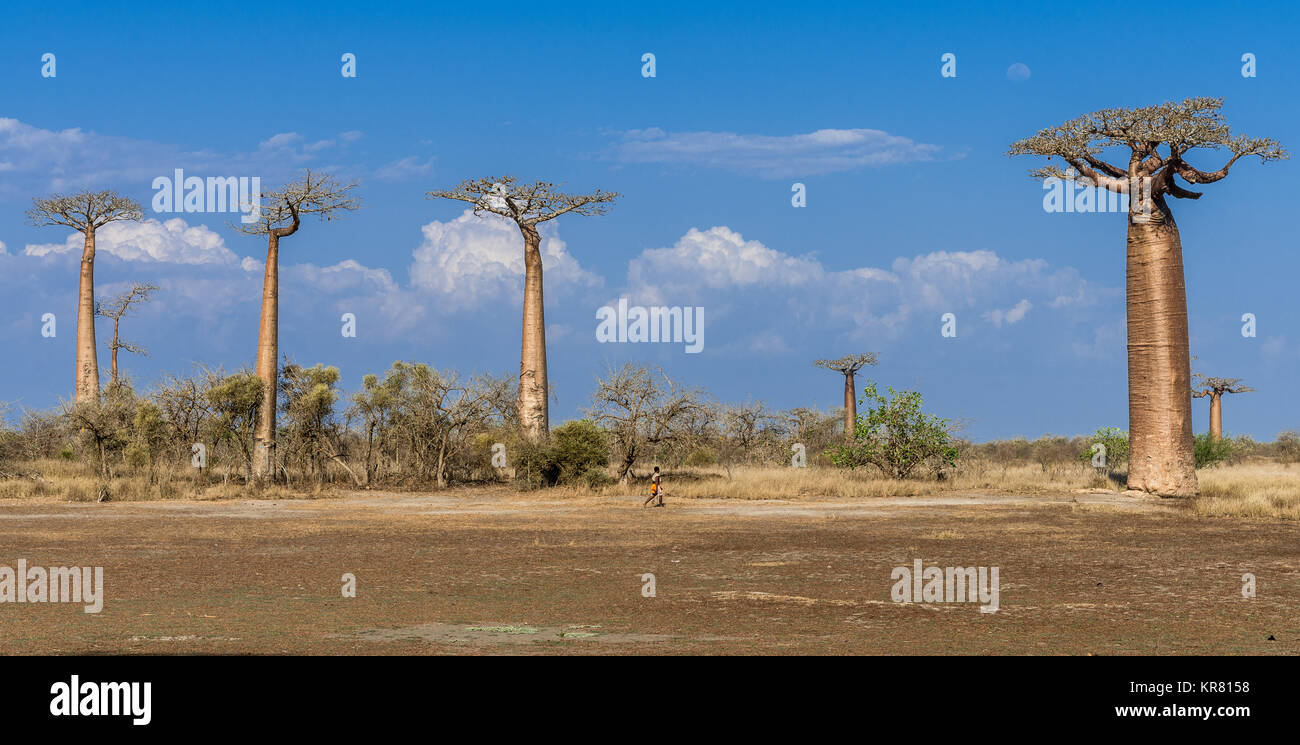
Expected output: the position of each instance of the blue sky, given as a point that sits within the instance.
(913, 210)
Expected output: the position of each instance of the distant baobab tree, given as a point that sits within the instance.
(1154, 141)
(529, 205)
(85, 212)
(848, 366)
(117, 309)
(280, 215)
(1214, 389)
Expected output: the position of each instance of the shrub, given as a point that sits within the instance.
(1288, 446)
(1115, 441)
(573, 454)
(1209, 452)
(895, 436)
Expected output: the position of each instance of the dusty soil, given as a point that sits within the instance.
(492, 571)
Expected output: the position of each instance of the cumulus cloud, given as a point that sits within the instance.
(719, 268)
(475, 260)
(1011, 315)
(355, 288)
(718, 257)
(172, 242)
(774, 156)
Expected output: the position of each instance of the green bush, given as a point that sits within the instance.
(895, 436)
(1116, 442)
(575, 453)
(1210, 453)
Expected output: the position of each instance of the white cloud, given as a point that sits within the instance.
(1010, 316)
(405, 169)
(719, 268)
(38, 160)
(819, 152)
(718, 257)
(475, 260)
(364, 291)
(2, 248)
(172, 242)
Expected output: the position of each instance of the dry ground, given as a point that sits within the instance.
(490, 571)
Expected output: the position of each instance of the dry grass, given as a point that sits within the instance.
(69, 481)
(1250, 490)
(823, 483)
(1259, 489)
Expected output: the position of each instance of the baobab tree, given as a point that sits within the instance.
(848, 366)
(117, 309)
(279, 216)
(529, 205)
(1156, 140)
(85, 212)
(1214, 389)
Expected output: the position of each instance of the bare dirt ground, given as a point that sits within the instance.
(493, 571)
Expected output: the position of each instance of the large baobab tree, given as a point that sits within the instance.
(85, 212)
(1214, 389)
(279, 216)
(1156, 141)
(848, 366)
(529, 205)
(117, 309)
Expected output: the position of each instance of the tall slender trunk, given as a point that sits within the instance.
(113, 373)
(268, 347)
(1161, 459)
(87, 390)
(850, 405)
(1216, 416)
(533, 415)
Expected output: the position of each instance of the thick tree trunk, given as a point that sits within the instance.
(1161, 459)
(87, 390)
(1216, 417)
(850, 406)
(533, 415)
(268, 347)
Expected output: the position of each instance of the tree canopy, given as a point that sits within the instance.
(1158, 139)
(526, 204)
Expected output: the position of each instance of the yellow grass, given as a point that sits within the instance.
(831, 483)
(1259, 489)
(1250, 490)
(69, 481)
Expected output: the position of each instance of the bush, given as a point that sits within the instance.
(575, 453)
(1115, 441)
(1209, 453)
(895, 436)
(1288, 446)
(577, 448)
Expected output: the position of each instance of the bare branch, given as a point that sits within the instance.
(312, 193)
